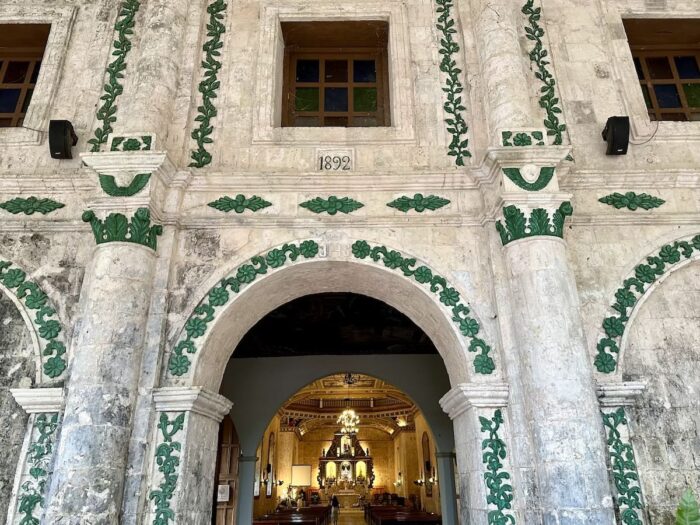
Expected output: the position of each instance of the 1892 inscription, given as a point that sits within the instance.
(334, 163)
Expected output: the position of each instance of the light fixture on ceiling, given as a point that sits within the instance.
(349, 379)
(348, 421)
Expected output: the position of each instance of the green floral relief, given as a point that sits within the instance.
(31, 205)
(39, 455)
(45, 322)
(142, 143)
(110, 187)
(168, 461)
(240, 203)
(624, 469)
(543, 179)
(538, 56)
(453, 106)
(107, 113)
(517, 226)
(198, 323)
(332, 205)
(500, 491)
(632, 201)
(438, 285)
(209, 85)
(632, 290)
(522, 138)
(116, 227)
(418, 203)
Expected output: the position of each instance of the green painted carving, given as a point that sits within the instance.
(332, 205)
(522, 138)
(543, 179)
(198, 323)
(240, 204)
(632, 200)
(500, 492)
(518, 227)
(450, 297)
(548, 101)
(46, 323)
(107, 113)
(624, 469)
(39, 454)
(110, 187)
(418, 203)
(209, 85)
(132, 143)
(31, 205)
(168, 461)
(632, 290)
(116, 227)
(456, 125)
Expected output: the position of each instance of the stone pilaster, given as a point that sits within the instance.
(446, 479)
(246, 482)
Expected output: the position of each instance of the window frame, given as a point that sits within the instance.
(33, 55)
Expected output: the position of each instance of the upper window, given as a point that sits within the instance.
(21, 51)
(335, 74)
(666, 56)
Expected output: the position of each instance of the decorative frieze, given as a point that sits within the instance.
(117, 227)
(517, 226)
(240, 203)
(522, 138)
(109, 185)
(418, 203)
(332, 205)
(31, 205)
(632, 201)
(500, 491)
(544, 177)
(132, 143)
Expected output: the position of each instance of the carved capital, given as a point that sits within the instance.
(466, 396)
(619, 394)
(192, 399)
(38, 400)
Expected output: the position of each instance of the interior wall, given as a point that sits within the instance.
(264, 504)
(407, 464)
(287, 451)
(430, 503)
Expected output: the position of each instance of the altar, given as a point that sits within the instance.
(346, 471)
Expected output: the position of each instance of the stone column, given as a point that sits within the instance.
(477, 413)
(246, 481)
(446, 480)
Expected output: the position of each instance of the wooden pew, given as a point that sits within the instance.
(305, 516)
(392, 515)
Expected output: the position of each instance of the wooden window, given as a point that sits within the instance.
(21, 51)
(335, 74)
(666, 55)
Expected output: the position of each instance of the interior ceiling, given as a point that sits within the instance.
(333, 324)
(663, 31)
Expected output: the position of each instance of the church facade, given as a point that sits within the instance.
(443, 157)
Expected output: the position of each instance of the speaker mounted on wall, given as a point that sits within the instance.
(617, 135)
(62, 138)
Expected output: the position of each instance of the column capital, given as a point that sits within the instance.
(247, 459)
(37, 400)
(619, 393)
(466, 396)
(192, 399)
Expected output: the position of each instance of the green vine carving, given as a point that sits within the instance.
(116, 227)
(209, 85)
(31, 205)
(418, 203)
(110, 187)
(518, 227)
(107, 113)
(500, 491)
(632, 200)
(522, 138)
(240, 204)
(543, 179)
(168, 462)
(624, 469)
(332, 205)
(198, 323)
(39, 457)
(538, 55)
(46, 323)
(453, 106)
(132, 143)
(450, 297)
(632, 290)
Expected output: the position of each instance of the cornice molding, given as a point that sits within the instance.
(192, 399)
(466, 396)
(37, 400)
(619, 394)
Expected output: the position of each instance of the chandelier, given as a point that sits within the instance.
(349, 421)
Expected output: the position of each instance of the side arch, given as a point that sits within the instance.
(643, 279)
(292, 270)
(48, 333)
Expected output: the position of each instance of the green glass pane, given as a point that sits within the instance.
(306, 99)
(365, 99)
(692, 94)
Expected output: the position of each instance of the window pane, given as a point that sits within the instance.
(659, 68)
(307, 70)
(338, 122)
(673, 116)
(647, 98)
(306, 122)
(336, 99)
(364, 99)
(692, 94)
(306, 99)
(687, 67)
(16, 71)
(667, 96)
(364, 71)
(336, 71)
(8, 100)
(638, 67)
(364, 122)
(27, 100)
(35, 73)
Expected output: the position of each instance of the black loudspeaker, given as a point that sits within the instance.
(62, 138)
(617, 135)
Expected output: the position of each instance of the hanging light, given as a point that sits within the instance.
(348, 421)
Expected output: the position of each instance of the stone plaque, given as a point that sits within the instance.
(335, 160)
